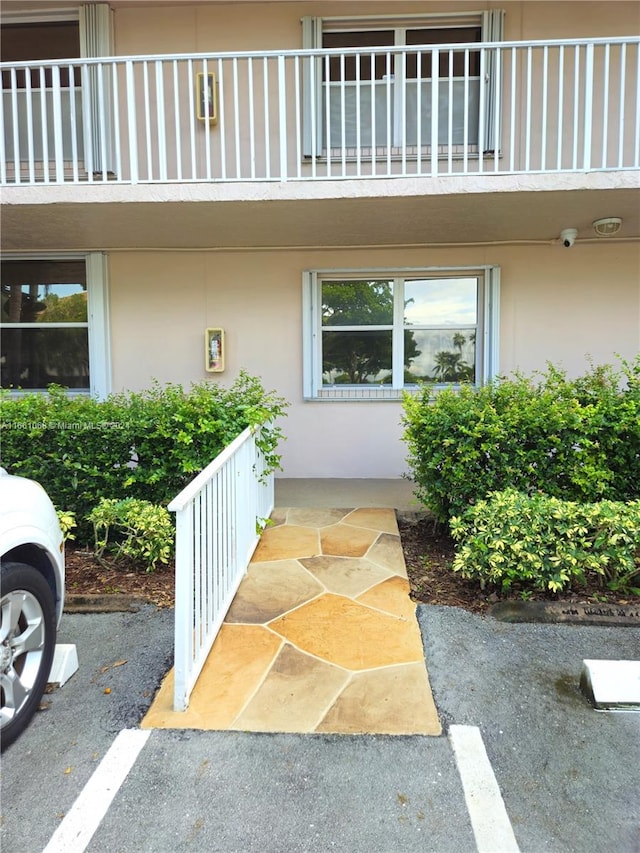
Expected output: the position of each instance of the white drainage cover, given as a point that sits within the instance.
(611, 685)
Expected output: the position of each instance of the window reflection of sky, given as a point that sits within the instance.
(446, 302)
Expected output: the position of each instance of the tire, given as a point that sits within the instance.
(27, 644)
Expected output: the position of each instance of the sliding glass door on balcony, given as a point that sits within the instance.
(386, 99)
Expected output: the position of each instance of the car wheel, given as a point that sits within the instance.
(27, 644)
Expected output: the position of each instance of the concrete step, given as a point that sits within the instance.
(611, 685)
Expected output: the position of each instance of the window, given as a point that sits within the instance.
(84, 97)
(390, 97)
(391, 91)
(53, 324)
(372, 335)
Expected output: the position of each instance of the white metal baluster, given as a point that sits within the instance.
(57, 123)
(102, 121)
(209, 528)
(15, 120)
(177, 119)
(73, 124)
(588, 109)
(527, 156)
(44, 121)
(267, 118)
(560, 116)
(30, 146)
(327, 77)
(435, 98)
(252, 127)
(621, 104)
(236, 103)
(298, 122)
(193, 121)
(197, 568)
(315, 112)
(221, 110)
(206, 123)
(282, 105)
(512, 129)
(497, 112)
(115, 88)
(605, 106)
(343, 117)
(576, 104)
(183, 641)
(484, 78)
(374, 142)
(543, 130)
(358, 119)
(465, 132)
(403, 109)
(132, 122)
(161, 121)
(389, 117)
(636, 144)
(419, 90)
(450, 117)
(222, 535)
(147, 119)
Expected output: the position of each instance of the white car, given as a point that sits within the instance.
(32, 598)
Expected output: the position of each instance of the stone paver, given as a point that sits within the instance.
(321, 636)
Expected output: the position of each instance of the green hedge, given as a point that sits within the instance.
(543, 543)
(146, 445)
(573, 439)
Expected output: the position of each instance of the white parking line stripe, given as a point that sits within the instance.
(77, 829)
(489, 819)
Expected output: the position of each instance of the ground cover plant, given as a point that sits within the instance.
(548, 544)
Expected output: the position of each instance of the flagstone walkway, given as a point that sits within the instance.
(321, 636)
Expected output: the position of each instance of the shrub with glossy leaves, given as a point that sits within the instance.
(573, 439)
(147, 445)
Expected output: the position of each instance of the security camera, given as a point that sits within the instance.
(568, 237)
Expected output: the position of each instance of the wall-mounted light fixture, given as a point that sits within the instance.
(608, 226)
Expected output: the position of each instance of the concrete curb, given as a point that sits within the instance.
(573, 613)
(114, 603)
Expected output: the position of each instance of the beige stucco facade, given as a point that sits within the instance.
(228, 250)
(557, 305)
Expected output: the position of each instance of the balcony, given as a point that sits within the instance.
(468, 119)
(507, 108)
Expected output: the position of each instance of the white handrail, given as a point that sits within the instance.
(218, 516)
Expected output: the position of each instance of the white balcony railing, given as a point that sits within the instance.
(217, 517)
(499, 108)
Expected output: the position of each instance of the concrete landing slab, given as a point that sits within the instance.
(611, 685)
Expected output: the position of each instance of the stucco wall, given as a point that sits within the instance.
(187, 27)
(557, 305)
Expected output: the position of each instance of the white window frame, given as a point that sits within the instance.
(487, 341)
(97, 319)
(97, 38)
(491, 23)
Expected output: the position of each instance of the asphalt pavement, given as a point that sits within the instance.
(569, 775)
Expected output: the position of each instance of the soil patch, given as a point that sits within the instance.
(428, 553)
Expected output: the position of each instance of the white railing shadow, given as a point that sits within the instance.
(218, 518)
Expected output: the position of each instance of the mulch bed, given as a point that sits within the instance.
(428, 553)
